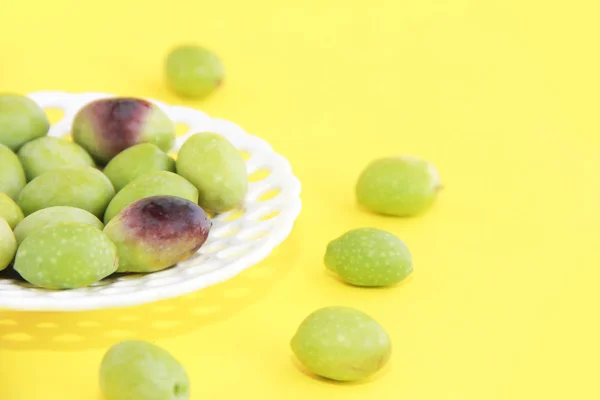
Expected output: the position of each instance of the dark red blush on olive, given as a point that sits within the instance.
(119, 122)
(160, 219)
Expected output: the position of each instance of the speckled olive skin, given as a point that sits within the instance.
(49, 153)
(137, 161)
(52, 216)
(81, 187)
(138, 370)
(66, 256)
(341, 343)
(216, 168)
(369, 257)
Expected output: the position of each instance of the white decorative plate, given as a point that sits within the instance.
(238, 239)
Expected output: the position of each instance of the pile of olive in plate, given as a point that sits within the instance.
(73, 212)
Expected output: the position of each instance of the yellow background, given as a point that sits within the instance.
(501, 95)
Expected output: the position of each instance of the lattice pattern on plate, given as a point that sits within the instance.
(238, 239)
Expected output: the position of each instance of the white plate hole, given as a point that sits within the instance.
(259, 175)
(269, 195)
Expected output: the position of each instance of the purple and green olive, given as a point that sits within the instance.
(106, 127)
(157, 232)
(151, 184)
